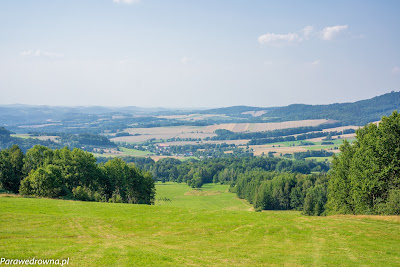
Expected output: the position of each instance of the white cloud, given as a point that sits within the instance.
(279, 39)
(126, 1)
(124, 61)
(315, 62)
(272, 38)
(328, 33)
(40, 53)
(26, 53)
(396, 70)
(307, 31)
(186, 60)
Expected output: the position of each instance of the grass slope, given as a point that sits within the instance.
(191, 230)
(209, 197)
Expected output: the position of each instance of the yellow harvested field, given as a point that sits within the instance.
(39, 125)
(182, 143)
(165, 130)
(208, 131)
(195, 135)
(157, 158)
(261, 127)
(142, 138)
(192, 117)
(259, 149)
(344, 136)
(339, 129)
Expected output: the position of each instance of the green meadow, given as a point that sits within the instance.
(134, 152)
(185, 227)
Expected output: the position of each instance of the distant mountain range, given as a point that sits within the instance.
(356, 113)
(9, 114)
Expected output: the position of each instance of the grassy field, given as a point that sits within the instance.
(123, 152)
(320, 158)
(134, 152)
(209, 197)
(210, 227)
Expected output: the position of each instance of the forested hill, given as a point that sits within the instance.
(357, 113)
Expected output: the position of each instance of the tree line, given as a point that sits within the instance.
(226, 170)
(223, 134)
(364, 178)
(283, 191)
(73, 174)
(291, 138)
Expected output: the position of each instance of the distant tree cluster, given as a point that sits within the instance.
(312, 153)
(226, 170)
(283, 191)
(7, 141)
(223, 134)
(291, 138)
(73, 174)
(80, 140)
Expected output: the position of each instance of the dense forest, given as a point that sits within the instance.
(224, 170)
(357, 113)
(73, 174)
(283, 191)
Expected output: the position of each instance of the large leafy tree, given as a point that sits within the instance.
(11, 163)
(44, 182)
(367, 172)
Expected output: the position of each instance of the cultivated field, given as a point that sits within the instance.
(182, 143)
(350, 136)
(255, 113)
(192, 229)
(162, 133)
(194, 117)
(42, 137)
(260, 149)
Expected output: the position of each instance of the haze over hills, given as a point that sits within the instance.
(356, 113)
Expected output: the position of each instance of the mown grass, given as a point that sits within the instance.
(134, 152)
(320, 159)
(191, 230)
(209, 197)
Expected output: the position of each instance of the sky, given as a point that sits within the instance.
(187, 53)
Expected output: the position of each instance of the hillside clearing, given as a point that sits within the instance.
(105, 234)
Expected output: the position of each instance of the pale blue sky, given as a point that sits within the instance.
(197, 53)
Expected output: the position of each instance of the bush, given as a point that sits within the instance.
(393, 202)
(314, 203)
(82, 193)
(44, 182)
